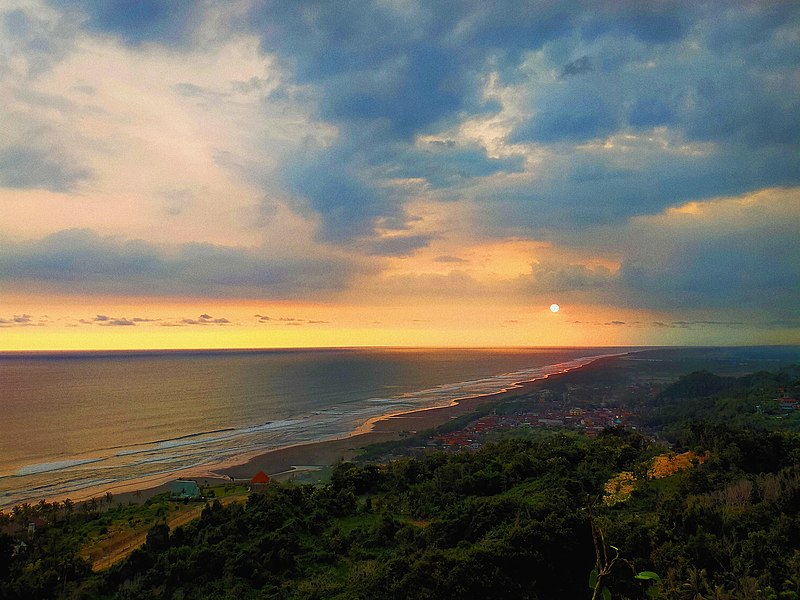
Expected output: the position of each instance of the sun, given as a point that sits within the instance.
(554, 308)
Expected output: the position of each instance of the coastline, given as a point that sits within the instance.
(282, 462)
(382, 429)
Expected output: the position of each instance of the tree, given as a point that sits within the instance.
(158, 537)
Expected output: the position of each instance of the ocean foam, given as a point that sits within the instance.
(55, 466)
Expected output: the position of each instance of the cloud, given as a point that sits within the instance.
(553, 276)
(114, 265)
(651, 67)
(27, 167)
(206, 319)
(577, 66)
(289, 320)
(136, 22)
(384, 73)
(566, 83)
(106, 321)
(733, 252)
(297, 149)
(118, 323)
(701, 324)
(398, 245)
(23, 320)
(33, 40)
(178, 201)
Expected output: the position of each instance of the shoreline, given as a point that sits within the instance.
(282, 462)
(384, 428)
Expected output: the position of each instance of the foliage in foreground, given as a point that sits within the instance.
(518, 519)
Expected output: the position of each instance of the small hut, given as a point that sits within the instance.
(260, 479)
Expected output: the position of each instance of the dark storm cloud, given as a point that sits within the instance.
(113, 265)
(384, 73)
(571, 113)
(400, 72)
(444, 164)
(581, 189)
(405, 65)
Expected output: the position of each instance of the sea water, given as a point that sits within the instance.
(77, 421)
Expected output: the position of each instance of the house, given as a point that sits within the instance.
(260, 478)
(184, 488)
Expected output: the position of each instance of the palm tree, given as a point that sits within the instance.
(747, 587)
(695, 586)
(719, 593)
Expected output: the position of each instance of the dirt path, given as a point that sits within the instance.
(119, 545)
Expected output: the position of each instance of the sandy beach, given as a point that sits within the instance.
(282, 461)
(378, 430)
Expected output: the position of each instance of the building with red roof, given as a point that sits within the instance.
(260, 478)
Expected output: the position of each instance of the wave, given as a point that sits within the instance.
(146, 446)
(55, 466)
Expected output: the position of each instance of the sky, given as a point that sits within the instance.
(189, 174)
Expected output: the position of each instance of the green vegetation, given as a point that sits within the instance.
(751, 401)
(520, 518)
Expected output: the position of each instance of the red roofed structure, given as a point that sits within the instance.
(260, 478)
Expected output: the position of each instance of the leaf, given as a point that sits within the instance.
(606, 594)
(648, 575)
(593, 579)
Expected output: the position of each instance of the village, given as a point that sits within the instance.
(586, 407)
(589, 421)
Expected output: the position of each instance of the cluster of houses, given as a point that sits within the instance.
(786, 402)
(589, 420)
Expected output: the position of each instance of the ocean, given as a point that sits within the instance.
(72, 422)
